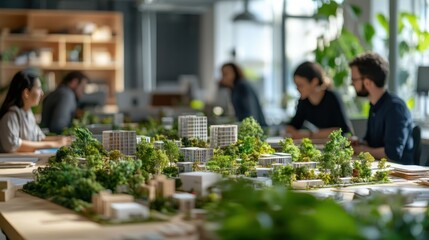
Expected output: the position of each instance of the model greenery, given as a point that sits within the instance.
(153, 160)
(249, 127)
(308, 151)
(289, 147)
(85, 168)
(336, 158)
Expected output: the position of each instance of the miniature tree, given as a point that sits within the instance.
(222, 164)
(186, 142)
(154, 160)
(303, 173)
(283, 175)
(362, 167)
(382, 175)
(249, 127)
(171, 150)
(308, 151)
(289, 147)
(336, 156)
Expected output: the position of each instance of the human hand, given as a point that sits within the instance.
(63, 141)
(354, 141)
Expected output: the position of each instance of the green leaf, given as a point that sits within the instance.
(368, 32)
(412, 20)
(327, 9)
(403, 48)
(357, 11)
(423, 43)
(383, 22)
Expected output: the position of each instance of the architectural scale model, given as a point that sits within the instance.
(192, 126)
(223, 135)
(7, 190)
(199, 181)
(196, 154)
(269, 159)
(118, 206)
(124, 141)
(186, 202)
(159, 187)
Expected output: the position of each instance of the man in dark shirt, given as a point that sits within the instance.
(389, 128)
(59, 107)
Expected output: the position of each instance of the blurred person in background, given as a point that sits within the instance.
(61, 106)
(318, 105)
(243, 97)
(390, 125)
(20, 132)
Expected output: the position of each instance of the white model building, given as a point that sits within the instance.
(196, 154)
(192, 126)
(128, 211)
(184, 166)
(185, 202)
(269, 159)
(223, 135)
(124, 141)
(142, 138)
(158, 144)
(199, 181)
(103, 200)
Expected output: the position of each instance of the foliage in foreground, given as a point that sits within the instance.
(244, 212)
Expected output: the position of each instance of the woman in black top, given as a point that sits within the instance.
(318, 105)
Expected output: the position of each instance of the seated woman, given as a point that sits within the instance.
(20, 132)
(318, 105)
(243, 97)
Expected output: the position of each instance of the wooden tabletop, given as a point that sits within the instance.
(29, 217)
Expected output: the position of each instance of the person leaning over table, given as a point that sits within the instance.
(318, 105)
(18, 127)
(389, 127)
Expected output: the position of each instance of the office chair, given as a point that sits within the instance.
(417, 139)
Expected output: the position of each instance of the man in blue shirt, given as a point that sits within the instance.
(389, 128)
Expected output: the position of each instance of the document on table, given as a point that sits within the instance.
(18, 162)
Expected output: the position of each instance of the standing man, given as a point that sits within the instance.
(389, 128)
(59, 107)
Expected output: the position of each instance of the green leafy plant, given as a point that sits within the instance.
(308, 152)
(336, 157)
(244, 212)
(249, 127)
(288, 146)
(153, 160)
(334, 53)
(283, 175)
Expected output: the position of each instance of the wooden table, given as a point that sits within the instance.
(29, 217)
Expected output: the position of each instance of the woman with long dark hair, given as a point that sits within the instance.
(318, 105)
(244, 98)
(18, 127)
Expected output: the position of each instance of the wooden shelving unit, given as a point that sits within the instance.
(57, 32)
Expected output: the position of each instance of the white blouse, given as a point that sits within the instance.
(17, 125)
